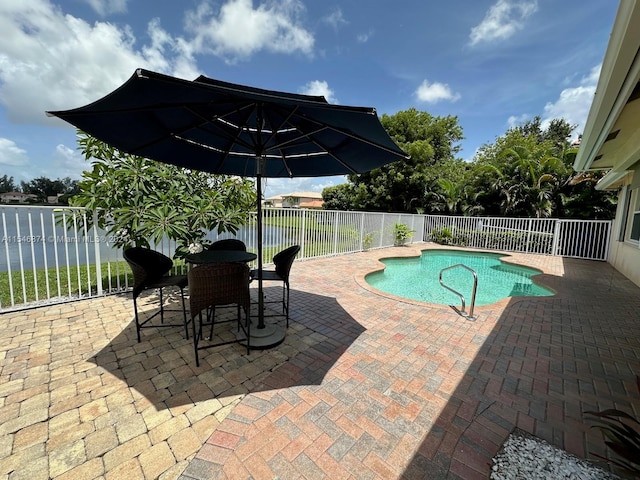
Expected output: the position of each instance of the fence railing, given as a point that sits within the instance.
(48, 255)
(588, 239)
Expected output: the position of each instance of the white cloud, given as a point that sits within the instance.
(335, 19)
(574, 103)
(502, 20)
(514, 120)
(434, 92)
(51, 61)
(364, 37)
(238, 30)
(11, 154)
(68, 163)
(319, 87)
(106, 7)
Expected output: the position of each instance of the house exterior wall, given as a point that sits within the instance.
(625, 258)
(624, 254)
(296, 200)
(16, 197)
(615, 108)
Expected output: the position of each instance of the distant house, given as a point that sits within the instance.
(17, 197)
(54, 198)
(295, 200)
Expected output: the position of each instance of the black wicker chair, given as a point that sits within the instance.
(222, 284)
(228, 244)
(150, 270)
(283, 261)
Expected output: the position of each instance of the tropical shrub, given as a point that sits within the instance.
(622, 437)
(442, 236)
(367, 240)
(139, 201)
(402, 233)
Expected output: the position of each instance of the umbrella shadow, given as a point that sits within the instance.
(161, 368)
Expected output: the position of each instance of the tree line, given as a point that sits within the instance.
(42, 187)
(527, 172)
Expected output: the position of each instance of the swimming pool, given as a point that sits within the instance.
(417, 278)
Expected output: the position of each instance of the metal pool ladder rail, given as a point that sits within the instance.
(473, 293)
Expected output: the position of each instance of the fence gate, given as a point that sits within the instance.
(588, 239)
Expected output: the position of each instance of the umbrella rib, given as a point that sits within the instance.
(178, 134)
(324, 126)
(229, 130)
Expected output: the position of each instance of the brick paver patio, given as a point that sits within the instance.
(364, 386)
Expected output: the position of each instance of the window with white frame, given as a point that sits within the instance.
(632, 230)
(635, 227)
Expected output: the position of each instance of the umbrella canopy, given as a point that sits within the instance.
(224, 128)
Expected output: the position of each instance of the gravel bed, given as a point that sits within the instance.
(524, 456)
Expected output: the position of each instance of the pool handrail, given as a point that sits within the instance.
(473, 292)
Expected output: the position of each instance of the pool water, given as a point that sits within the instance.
(417, 278)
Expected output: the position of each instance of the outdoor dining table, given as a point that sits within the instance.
(220, 256)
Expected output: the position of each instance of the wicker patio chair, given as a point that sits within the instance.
(228, 244)
(222, 284)
(150, 270)
(283, 261)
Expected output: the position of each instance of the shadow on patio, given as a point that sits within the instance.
(162, 367)
(540, 364)
(365, 386)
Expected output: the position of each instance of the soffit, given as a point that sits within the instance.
(618, 80)
(623, 142)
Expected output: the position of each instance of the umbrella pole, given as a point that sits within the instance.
(262, 336)
(259, 227)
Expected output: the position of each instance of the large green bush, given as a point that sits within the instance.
(140, 202)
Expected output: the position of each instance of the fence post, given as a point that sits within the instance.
(303, 232)
(361, 230)
(556, 238)
(335, 235)
(97, 253)
(382, 229)
(528, 236)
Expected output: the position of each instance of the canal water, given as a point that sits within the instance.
(39, 237)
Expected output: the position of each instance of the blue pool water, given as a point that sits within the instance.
(417, 278)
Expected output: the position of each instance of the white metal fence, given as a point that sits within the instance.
(49, 256)
(589, 239)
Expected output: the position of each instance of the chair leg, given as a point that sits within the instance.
(135, 312)
(184, 315)
(161, 307)
(247, 327)
(196, 335)
(287, 304)
(211, 316)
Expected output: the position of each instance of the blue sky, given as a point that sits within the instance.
(493, 63)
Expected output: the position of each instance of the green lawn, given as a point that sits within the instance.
(75, 281)
(64, 283)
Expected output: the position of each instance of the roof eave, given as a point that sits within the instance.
(618, 77)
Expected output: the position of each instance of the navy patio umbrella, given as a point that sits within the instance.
(224, 128)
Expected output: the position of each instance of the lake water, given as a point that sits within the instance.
(36, 236)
